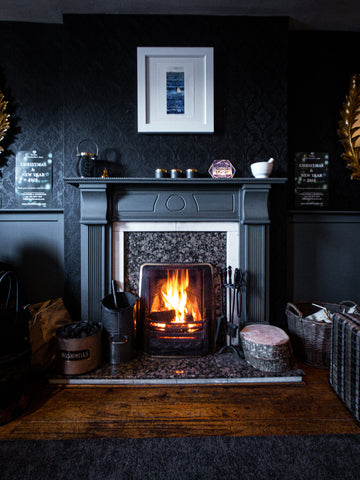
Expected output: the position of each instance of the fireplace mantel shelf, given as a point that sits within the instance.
(237, 181)
(106, 200)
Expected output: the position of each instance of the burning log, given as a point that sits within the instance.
(166, 321)
(165, 316)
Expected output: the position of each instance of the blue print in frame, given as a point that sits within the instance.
(175, 93)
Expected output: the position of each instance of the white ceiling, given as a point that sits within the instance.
(304, 14)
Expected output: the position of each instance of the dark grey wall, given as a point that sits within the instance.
(33, 244)
(250, 57)
(320, 67)
(66, 83)
(325, 261)
(31, 78)
(250, 91)
(276, 92)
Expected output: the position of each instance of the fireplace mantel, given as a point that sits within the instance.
(107, 200)
(236, 181)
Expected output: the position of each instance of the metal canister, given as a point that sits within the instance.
(78, 355)
(191, 173)
(176, 173)
(118, 327)
(160, 173)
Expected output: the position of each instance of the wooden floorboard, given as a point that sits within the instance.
(59, 412)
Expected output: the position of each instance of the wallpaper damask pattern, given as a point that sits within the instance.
(73, 81)
(31, 78)
(250, 92)
(78, 80)
(250, 58)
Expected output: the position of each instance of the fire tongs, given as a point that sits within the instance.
(232, 290)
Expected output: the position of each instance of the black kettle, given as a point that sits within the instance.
(86, 165)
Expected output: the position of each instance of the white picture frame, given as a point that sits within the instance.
(175, 89)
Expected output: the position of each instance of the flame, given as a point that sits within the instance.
(174, 295)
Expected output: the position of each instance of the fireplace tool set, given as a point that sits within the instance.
(233, 284)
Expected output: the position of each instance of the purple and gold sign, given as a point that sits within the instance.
(222, 169)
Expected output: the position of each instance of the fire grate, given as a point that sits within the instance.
(177, 309)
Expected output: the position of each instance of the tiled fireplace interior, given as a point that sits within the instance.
(135, 244)
(171, 247)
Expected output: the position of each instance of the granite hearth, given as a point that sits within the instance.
(225, 368)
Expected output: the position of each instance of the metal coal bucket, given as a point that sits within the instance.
(118, 327)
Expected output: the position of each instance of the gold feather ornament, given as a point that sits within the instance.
(4, 119)
(349, 127)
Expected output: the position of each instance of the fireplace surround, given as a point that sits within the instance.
(196, 201)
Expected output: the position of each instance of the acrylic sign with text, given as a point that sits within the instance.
(33, 178)
(311, 179)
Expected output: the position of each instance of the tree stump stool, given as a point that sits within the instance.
(267, 348)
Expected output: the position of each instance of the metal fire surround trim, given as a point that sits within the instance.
(105, 200)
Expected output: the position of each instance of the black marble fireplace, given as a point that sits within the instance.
(199, 202)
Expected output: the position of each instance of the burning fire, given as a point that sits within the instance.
(175, 297)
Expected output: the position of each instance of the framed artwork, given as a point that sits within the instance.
(175, 89)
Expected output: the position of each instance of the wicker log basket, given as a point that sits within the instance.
(311, 339)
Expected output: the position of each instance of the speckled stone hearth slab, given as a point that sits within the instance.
(144, 370)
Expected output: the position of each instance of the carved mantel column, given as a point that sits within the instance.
(93, 240)
(254, 249)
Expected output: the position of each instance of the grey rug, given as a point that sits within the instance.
(312, 457)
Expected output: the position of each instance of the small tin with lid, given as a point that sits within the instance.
(191, 173)
(176, 173)
(160, 173)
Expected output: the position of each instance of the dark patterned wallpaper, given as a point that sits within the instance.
(31, 78)
(276, 92)
(250, 57)
(320, 67)
(250, 91)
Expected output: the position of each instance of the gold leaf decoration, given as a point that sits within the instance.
(349, 127)
(4, 119)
